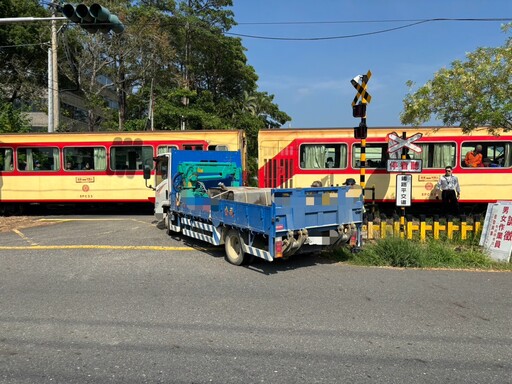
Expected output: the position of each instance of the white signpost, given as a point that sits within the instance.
(403, 190)
(496, 235)
(396, 144)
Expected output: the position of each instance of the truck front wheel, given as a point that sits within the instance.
(234, 251)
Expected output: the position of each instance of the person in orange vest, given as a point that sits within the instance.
(474, 158)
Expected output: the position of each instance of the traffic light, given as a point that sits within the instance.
(94, 18)
(361, 132)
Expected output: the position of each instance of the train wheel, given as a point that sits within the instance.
(233, 245)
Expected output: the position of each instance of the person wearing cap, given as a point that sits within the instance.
(350, 182)
(37, 165)
(449, 186)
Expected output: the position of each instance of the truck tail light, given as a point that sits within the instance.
(278, 248)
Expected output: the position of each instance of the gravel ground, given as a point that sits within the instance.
(19, 222)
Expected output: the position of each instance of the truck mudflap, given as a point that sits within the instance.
(262, 254)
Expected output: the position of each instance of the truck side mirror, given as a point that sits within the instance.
(147, 172)
(147, 176)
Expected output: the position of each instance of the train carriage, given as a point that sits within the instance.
(291, 158)
(95, 167)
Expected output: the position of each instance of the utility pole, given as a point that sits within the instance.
(184, 99)
(55, 74)
(51, 128)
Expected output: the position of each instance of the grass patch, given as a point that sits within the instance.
(397, 252)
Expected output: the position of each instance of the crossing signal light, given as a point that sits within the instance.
(359, 110)
(94, 18)
(361, 132)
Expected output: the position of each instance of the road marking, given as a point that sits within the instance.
(126, 247)
(24, 237)
(72, 219)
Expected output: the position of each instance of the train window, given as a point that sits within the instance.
(85, 158)
(6, 162)
(130, 158)
(376, 155)
(322, 156)
(193, 147)
(38, 159)
(166, 148)
(218, 148)
(435, 155)
(496, 154)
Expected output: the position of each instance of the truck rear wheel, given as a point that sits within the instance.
(233, 245)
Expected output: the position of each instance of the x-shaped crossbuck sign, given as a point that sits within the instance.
(361, 88)
(396, 142)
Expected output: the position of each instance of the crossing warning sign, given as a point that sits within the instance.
(396, 143)
(361, 88)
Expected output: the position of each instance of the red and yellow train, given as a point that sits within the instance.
(298, 157)
(107, 167)
(102, 167)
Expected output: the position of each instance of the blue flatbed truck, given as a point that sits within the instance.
(200, 194)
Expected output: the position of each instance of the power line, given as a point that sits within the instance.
(325, 38)
(24, 45)
(368, 21)
(416, 22)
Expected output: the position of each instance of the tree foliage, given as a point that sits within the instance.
(472, 93)
(12, 120)
(174, 56)
(23, 53)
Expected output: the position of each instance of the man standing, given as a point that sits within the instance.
(474, 158)
(449, 186)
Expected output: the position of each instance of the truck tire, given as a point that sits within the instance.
(233, 245)
(168, 225)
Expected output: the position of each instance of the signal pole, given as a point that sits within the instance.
(359, 110)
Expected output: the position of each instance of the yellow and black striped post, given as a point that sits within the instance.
(362, 165)
(359, 110)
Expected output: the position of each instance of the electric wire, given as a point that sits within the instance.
(412, 24)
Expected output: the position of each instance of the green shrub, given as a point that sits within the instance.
(398, 252)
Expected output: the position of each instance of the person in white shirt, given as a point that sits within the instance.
(449, 186)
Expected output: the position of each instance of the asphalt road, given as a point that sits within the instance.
(114, 300)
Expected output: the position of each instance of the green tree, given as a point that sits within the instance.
(23, 53)
(119, 66)
(216, 86)
(12, 119)
(174, 53)
(473, 93)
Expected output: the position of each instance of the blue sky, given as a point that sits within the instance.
(311, 79)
